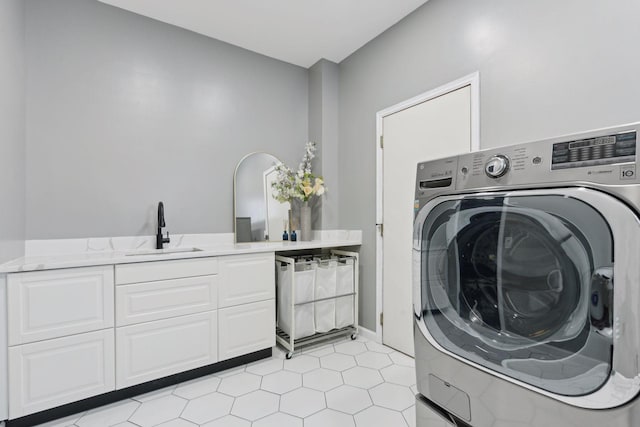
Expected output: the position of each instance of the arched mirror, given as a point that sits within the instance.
(257, 215)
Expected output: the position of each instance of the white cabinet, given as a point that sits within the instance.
(80, 332)
(56, 303)
(246, 279)
(156, 349)
(50, 373)
(148, 301)
(246, 328)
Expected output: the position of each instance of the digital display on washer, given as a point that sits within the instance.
(603, 150)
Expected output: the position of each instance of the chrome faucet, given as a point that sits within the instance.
(160, 241)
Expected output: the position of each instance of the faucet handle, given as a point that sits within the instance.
(166, 239)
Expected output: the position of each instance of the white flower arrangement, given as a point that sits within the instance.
(302, 184)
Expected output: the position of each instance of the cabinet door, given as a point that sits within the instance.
(246, 328)
(246, 278)
(153, 350)
(144, 302)
(51, 373)
(56, 303)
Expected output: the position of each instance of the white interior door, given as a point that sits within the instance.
(439, 127)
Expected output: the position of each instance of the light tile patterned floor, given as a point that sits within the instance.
(344, 384)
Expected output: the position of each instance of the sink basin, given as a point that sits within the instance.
(163, 251)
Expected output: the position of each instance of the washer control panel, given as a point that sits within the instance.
(496, 166)
(601, 150)
(602, 156)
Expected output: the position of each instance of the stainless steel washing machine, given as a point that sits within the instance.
(527, 283)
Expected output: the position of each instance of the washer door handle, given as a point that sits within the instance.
(601, 297)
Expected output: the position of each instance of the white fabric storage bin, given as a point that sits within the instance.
(344, 311)
(325, 315)
(344, 286)
(304, 277)
(325, 311)
(344, 277)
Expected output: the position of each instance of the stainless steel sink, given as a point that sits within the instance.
(163, 251)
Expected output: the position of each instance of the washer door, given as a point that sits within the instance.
(521, 284)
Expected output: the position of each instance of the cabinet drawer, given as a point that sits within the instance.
(143, 302)
(51, 373)
(164, 270)
(246, 278)
(246, 328)
(156, 349)
(56, 303)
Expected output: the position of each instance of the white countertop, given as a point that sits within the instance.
(49, 255)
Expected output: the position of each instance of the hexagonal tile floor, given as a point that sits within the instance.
(345, 383)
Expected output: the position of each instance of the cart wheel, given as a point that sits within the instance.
(289, 355)
(353, 337)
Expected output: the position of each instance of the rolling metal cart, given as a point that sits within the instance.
(295, 328)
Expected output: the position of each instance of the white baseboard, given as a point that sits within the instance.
(368, 334)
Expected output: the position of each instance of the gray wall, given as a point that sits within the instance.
(323, 129)
(12, 129)
(546, 68)
(124, 111)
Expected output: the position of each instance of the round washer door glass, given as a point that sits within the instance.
(522, 285)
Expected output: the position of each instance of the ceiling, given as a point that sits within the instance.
(297, 31)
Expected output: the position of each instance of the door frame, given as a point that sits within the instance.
(472, 80)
